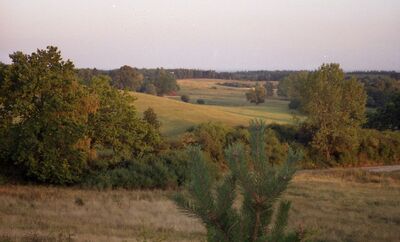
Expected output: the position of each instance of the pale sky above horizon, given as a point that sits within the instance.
(207, 34)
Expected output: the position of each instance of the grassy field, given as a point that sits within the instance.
(338, 205)
(223, 104)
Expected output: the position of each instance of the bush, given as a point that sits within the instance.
(379, 147)
(285, 132)
(152, 172)
(295, 104)
(211, 137)
(261, 184)
(185, 98)
(201, 101)
(149, 88)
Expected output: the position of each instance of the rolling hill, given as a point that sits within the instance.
(177, 116)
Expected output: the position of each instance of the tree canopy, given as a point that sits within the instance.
(388, 116)
(256, 95)
(116, 126)
(335, 108)
(54, 127)
(127, 78)
(44, 112)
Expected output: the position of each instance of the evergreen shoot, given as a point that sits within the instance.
(239, 207)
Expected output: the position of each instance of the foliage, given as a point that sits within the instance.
(378, 147)
(126, 78)
(163, 80)
(151, 118)
(259, 75)
(116, 127)
(276, 152)
(386, 117)
(214, 138)
(256, 95)
(269, 87)
(260, 185)
(335, 108)
(149, 89)
(168, 170)
(295, 104)
(185, 98)
(236, 84)
(44, 111)
(379, 89)
(211, 137)
(201, 101)
(291, 85)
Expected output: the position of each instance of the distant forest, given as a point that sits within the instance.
(258, 75)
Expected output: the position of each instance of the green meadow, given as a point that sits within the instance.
(223, 104)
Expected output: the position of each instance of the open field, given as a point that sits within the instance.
(338, 205)
(223, 104)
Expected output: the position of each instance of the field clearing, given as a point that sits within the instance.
(338, 205)
(223, 104)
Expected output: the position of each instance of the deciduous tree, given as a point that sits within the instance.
(256, 95)
(335, 108)
(44, 110)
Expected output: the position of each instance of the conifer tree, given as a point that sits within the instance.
(260, 185)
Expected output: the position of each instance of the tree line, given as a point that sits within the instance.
(151, 81)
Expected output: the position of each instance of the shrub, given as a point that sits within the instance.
(201, 101)
(378, 147)
(211, 137)
(149, 88)
(285, 132)
(185, 98)
(294, 104)
(260, 184)
(152, 172)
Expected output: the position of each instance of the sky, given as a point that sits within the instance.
(207, 34)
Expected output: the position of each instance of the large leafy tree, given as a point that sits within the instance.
(163, 80)
(43, 112)
(127, 78)
(291, 87)
(336, 110)
(256, 95)
(116, 127)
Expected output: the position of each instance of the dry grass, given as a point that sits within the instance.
(337, 205)
(48, 213)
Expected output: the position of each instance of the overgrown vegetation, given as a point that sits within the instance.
(62, 128)
(55, 129)
(261, 184)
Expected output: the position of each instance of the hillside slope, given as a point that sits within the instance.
(176, 116)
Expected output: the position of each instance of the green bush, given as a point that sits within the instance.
(294, 104)
(379, 147)
(152, 172)
(211, 137)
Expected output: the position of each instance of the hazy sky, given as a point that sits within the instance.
(209, 34)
